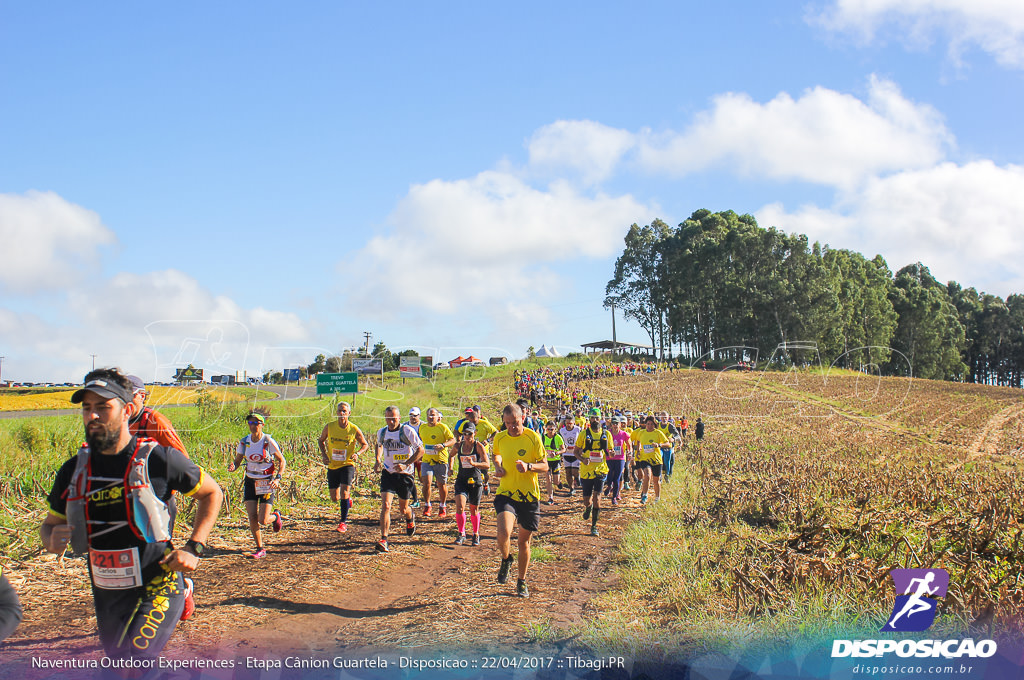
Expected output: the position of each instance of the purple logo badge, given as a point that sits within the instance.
(916, 606)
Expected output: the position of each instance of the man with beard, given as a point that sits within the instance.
(110, 500)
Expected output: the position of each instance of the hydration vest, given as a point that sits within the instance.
(602, 444)
(147, 515)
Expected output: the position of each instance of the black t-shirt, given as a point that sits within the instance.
(169, 470)
(467, 472)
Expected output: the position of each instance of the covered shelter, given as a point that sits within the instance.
(613, 345)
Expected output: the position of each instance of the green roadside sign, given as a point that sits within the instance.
(331, 383)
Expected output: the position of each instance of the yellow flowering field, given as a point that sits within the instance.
(58, 399)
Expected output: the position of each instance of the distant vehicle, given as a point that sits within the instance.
(440, 365)
(222, 380)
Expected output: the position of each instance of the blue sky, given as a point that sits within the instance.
(261, 183)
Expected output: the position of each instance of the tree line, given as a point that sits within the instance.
(722, 288)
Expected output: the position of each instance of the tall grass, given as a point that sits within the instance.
(34, 448)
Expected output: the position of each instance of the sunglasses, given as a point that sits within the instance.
(254, 422)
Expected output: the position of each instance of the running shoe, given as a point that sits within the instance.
(382, 545)
(428, 510)
(615, 501)
(410, 528)
(551, 501)
(442, 513)
(643, 500)
(342, 527)
(521, 589)
(460, 539)
(278, 522)
(476, 539)
(559, 486)
(593, 531)
(572, 492)
(487, 489)
(586, 512)
(190, 601)
(259, 553)
(415, 504)
(506, 566)
(625, 486)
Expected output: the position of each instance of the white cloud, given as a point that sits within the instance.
(132, 301)
(590, 148)
(824, 137)
(962, 221)
(995, 26)
(147, 324)
(48, 241)
(488, 247)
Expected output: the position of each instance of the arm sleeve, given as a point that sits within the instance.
(10, 608)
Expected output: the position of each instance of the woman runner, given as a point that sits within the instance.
(264, 466)
(617, 457)
(469, 482)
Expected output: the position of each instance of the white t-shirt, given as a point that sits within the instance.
(259, 456)
(569, 437)
(399, 446)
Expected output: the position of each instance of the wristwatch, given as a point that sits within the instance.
(195, 547)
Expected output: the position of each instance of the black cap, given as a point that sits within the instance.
(107, 389)
(469, 427)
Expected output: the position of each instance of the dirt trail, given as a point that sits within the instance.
(318, 590)
(990, 441)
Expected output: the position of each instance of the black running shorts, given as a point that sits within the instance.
(527, 512)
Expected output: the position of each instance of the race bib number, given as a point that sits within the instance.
(648, 448)
(262, 486)
(115, 569)
(596, 457)
(401, 457)
(467, 461)
(429, 447)
(339, 455)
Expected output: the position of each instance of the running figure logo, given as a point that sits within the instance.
(916, 606)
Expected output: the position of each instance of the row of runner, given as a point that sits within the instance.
(114, 499)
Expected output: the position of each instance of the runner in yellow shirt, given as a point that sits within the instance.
(592, 447)
(649, 443)
(436, 437)
(340, 458)
(518, 457)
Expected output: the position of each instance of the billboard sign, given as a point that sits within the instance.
(188, 374)
(410, 367)
(368, 366)
(293, 374)
(337, 383)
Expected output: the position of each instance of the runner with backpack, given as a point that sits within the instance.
(264, 465)
(592, 448)
(398, 450)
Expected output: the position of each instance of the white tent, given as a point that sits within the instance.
(546, 351)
